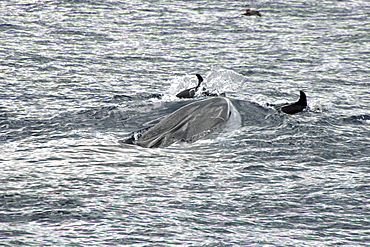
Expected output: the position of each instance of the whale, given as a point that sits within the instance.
(296, 107)
(189, 123)
(190, 93)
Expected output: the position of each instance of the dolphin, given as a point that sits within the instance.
(190, 93)
(187, 124)
(296, 107)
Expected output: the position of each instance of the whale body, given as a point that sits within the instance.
(187, 124)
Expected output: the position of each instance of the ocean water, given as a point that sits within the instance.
(77, 77)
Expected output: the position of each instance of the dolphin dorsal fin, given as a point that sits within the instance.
(302, 99)
(296, 107)
(200, 79)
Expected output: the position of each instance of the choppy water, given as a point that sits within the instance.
(78, 76)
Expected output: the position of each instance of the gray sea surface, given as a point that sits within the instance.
(76, 77)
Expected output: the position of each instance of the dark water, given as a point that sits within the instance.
(78, 76)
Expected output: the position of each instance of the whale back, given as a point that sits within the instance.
(188, 124)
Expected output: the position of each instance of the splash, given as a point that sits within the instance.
(217, 81)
